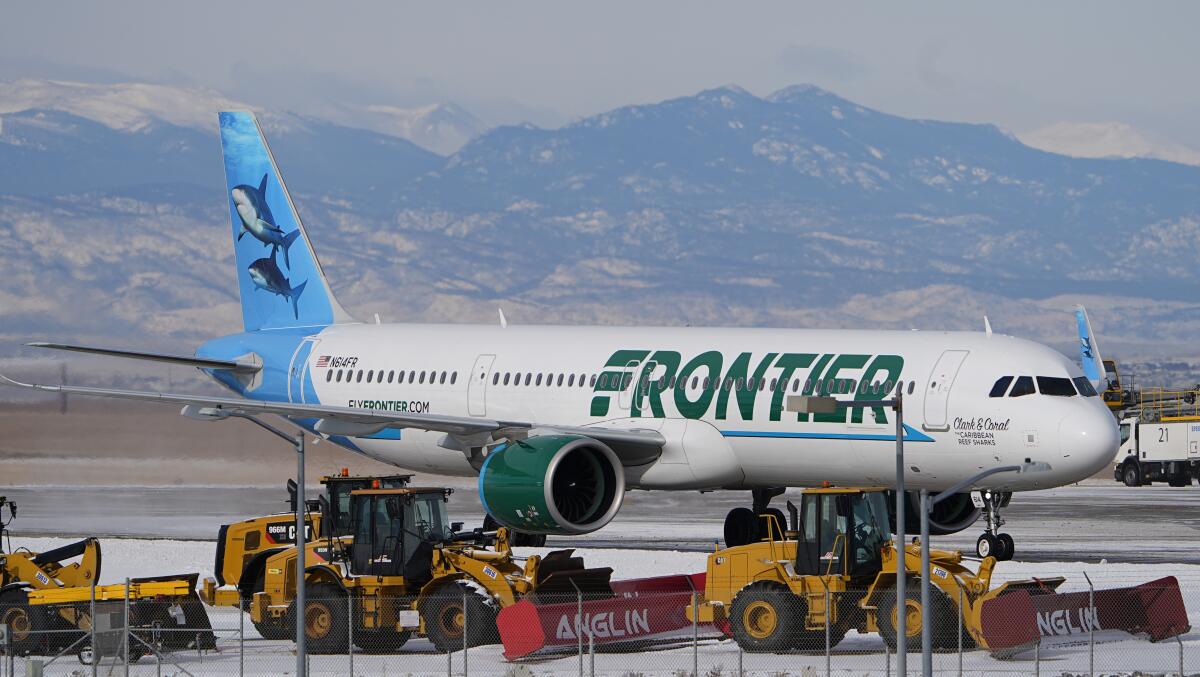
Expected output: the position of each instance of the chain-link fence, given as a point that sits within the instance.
(759, 629)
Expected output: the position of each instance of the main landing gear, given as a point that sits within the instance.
(749, 525)
(998, 545)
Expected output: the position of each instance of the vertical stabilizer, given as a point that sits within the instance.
(279, 277)
(1089, 350)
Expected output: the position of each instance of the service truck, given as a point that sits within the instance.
(1158, 451)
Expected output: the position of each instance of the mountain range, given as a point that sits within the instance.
(800, 208)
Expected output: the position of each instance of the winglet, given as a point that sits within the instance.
(987, 326)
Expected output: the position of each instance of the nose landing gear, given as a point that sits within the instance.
(998, 545)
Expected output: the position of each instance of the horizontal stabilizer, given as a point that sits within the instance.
(191, 361)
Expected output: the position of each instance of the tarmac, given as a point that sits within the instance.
(1089, 522)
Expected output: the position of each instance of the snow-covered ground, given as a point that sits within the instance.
(1115, 652)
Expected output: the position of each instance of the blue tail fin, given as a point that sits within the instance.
(1089, 349)
(260, 206)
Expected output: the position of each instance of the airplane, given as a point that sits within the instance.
(557, 423)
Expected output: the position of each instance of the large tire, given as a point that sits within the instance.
(25, 623)
(381, 641)
(943, 618)
(767, 617)
(443, 612)
(1132, 475)
(326, 619)
(276, 629)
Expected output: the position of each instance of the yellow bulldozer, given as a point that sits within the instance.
(404, 569)
(47, 602)
(836, 566)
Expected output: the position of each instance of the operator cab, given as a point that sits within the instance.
(336, 517)
(842, 532)
(395, 531)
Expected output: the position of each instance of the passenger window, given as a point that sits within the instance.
(560, 380)
(592, 380)
(391, 375)
(506, 375)
(1000, 386)
(442, 379)
(370, 373)
(412, 377)
(358, 379)
(528, 378)
(911, 386)
(421, 378)
(796, 385)
(328, 376)
(1056, 386)
(496, 379)
(571, 381)
(339, 376)
(539, 380)
(1084, 386)
(453, 377)
(1023, 387)
(400, 376)
(695, 382)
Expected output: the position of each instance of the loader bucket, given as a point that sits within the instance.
(181, 622)
(561, 575)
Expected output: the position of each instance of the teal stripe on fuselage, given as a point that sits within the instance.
(910, 435)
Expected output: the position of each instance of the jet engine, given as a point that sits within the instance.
(948, 517)
(552, 484)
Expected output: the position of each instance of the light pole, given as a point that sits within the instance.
(297, 441)
(927, 504)
(807, 404)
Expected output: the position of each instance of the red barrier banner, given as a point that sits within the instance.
(643, 609)
(1018, 619)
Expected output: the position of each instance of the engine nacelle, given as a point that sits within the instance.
(948, 517)
(552, 484)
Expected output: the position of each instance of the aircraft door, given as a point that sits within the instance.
(477, 386)
(298, 370)
(937, 391)
(628, 384)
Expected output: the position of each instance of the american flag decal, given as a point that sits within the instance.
(323, 361)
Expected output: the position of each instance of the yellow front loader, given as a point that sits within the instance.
(46, 601)
(837, 567)
(404, 570)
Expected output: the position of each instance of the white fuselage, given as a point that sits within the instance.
(730, 435)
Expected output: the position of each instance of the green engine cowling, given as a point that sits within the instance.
(552, 484)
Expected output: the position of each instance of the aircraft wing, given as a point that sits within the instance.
(632, 445)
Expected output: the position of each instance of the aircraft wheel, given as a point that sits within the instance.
(741, 527)
(1007, 547)
(987, 545)
(781, 521)
(1133, 478)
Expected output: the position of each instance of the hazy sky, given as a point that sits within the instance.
(1018, 64)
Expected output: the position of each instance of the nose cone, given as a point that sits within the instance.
(1088, 440)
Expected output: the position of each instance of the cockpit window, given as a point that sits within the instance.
(1023, 386)
(1001, 386)
(1085, 386)
(1057, 386)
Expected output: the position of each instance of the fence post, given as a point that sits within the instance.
(828, 612)
(960, 630)
(350, 630)
(466, 624)
(695, 637)
(92, 629)
(1179, 639)
(241, 642)
(1037, 658)
(579, 624)
(1091, 626)
(591, 653)
(449, 664)
(125, 648)
(887, 660)
(741, 672)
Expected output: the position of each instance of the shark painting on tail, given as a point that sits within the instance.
(256, 217)
(265, 274)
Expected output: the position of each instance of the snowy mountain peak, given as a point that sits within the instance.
(441, 127)
(126, 107)
(1107, 139)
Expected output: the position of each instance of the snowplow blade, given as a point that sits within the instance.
(1015, 621)
(180, 621)
(640, 611)
(561, 575)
